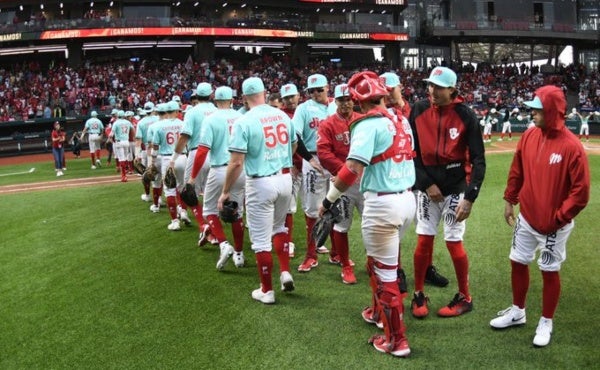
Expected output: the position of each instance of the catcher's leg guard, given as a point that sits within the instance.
(374, 283)
(389, 304)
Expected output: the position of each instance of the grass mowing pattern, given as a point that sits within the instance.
(91, 279)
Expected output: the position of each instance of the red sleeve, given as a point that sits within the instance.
(515, 177)
(326, 148)
(199, 160)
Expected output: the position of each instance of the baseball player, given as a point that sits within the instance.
(120, 134)
(506, 125)
(395, 100)
(306, 121)
(550, 178)
(215, 138)
(380, 157)
(95, 128)
(109, 144)
(447, 136)
(290, 98)
(262, 143)
(156, 184)
(190, 138)
(585, 126)
(164, 139)
(129, 115)
(141, 141)
(333, 145)
(491, 119)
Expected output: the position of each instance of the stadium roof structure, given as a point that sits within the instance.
(496, 53)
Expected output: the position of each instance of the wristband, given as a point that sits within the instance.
(347, 176)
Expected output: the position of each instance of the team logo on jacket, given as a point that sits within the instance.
(453, 133)
(343, 137)
(555, 158)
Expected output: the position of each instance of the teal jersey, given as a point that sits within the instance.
(370, 138)
(151, 130)
(94, 126)
(193, 122)
(265, 134)
(121, 128)
(166, 134)
(142, 128)
(306, 121)
(216, 130)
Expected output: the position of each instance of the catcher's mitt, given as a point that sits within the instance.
(170, 180)
(150, 174)
(188, 195)
(138, 166)
(323, 226)
(229, 213)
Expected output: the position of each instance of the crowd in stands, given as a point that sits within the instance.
(28, 91)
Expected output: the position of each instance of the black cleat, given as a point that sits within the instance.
(434, 278)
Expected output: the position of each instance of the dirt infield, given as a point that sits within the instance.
(506, 146)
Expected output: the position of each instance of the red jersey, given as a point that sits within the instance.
(333, 141)
(59, 143)
(549, 175)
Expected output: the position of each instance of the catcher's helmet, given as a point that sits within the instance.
(366, 86)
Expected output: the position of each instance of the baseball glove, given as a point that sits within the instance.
(324, 225)
(138, 166)
(229, 213)
(150, 174)
(170, 180)
(188, 195)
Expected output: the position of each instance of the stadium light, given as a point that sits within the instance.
(21, 7)
(111, 4)
(61, 5)
(91, 4)
(42, 6)
(243, 5)
(196, 3)
(224, 5)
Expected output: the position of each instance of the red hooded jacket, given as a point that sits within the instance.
(549, 175)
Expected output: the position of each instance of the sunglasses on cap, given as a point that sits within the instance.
(319, 90)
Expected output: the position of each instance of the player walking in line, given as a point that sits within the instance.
(333, 145)
(190, 138)
(397, 107)
(306, 121)
(95, 128)
(142, 139)
(214, 138)
(164, 140)
(380, 157)
(156, 183)
(447, 136)
(290, 97)
(261, 145)
(550, 179)
(120, 135)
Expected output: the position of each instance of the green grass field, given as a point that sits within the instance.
(91, 279)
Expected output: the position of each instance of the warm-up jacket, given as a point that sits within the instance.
(549, 175)
(447, 140)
